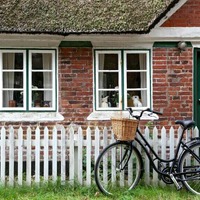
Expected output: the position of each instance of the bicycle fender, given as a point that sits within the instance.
(190, 143)
(193, 141)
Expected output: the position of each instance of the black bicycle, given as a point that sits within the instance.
(120, 165)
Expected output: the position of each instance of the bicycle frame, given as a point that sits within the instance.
(145, 145)
(169, 173)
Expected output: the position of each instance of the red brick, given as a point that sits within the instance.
(76, 84)
(172, 86)
(187, 16)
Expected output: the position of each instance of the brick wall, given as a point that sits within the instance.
(172, 86)
(172, 83)
(75, 84)
(187, 16)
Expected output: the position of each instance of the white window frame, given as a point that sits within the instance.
(97, 77)
(27, 96)
(24, 79)
(122, 80)
(53, 107)
(147, 77)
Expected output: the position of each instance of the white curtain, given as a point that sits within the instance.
(47, 65)
(8, 78)
(143, 79)
(102, 76)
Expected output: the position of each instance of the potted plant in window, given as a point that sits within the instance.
(115, 99)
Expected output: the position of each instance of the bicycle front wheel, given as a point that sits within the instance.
(118, 168)
(190, 165)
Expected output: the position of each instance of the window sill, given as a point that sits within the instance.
(107, 115)
(30, 117)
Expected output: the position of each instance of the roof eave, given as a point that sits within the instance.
(75, 33)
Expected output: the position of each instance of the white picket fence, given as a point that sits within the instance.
(20, 148)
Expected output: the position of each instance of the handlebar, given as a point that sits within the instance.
(146, 110)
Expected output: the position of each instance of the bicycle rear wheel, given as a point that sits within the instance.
(191, 166)
(118, 168)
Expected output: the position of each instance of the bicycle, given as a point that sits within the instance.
(120, 165)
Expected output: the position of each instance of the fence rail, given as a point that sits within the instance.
(40, 155)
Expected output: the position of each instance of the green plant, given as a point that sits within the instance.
(56, 191)
(115, 97)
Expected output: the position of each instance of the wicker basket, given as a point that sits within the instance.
(124, 129)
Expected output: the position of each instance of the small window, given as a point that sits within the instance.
(27, 85)
(122, 79)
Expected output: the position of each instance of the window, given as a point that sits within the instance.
(28, 80)
(122, 79)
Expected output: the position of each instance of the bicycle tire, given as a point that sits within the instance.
(188, 164)
(109, 177)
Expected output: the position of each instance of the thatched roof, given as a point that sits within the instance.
(81, 16)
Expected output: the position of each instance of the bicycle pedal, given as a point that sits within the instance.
(178, 186)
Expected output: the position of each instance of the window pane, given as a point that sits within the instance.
(137, 98)
(136, 80)
(47, 80)
(108, 80)
(12, 79)
(136, 66)
(108, 61)
(41, 61)
(13, 76)
(13, 98)
(37, 61)
(136, 61)
(42, 79)
(128, 77)
(18, 97)
(12, 61)
(41, 98)
(109, 98)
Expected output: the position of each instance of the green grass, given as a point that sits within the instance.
(57, 192)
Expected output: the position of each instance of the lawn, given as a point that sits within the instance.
(57, 192)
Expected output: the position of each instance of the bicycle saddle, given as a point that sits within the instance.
(185, 123)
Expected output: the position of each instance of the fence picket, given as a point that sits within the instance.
(188, 135)
(28, 156)
(20, 155)
(11, 156)
(63, 155)
(171, 143)
(146, 160)
(113, 160)
(163, 147)
(179, 135)
(105, 159)
(79, 150)
(88, 157)
(71, 155)
(80, 156)
(196, 132)
(163, 143)
(54, 157)
(155, 147)
(97, 143)
(3, 155)
(37, 155)
(46, 154)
